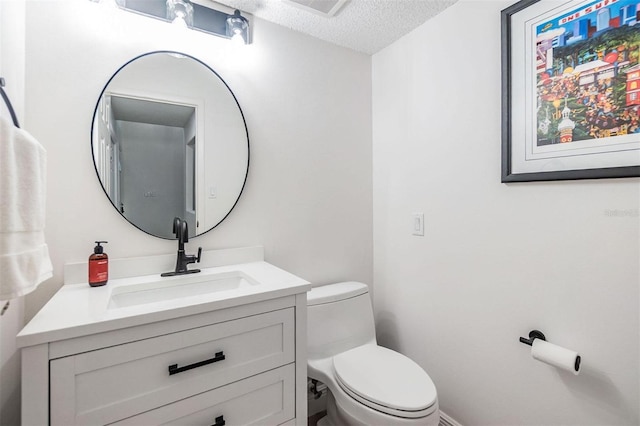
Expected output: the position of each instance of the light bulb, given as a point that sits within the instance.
(238, 38)
(179, 21)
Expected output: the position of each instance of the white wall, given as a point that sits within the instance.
(308, 109)
(12, 23)
(496, 260)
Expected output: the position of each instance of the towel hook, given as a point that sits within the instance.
(12, 112)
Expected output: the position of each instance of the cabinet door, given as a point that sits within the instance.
(114, 383)
(265, 399)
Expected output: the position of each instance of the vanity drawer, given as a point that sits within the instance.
(265, 399)
(114, 383)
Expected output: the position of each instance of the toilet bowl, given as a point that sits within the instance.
(367, 384)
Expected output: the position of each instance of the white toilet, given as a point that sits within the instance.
(368, 384)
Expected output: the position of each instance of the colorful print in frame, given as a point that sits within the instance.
(571, 90)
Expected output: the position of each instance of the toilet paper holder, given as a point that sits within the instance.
(552, 354)
(533, 334)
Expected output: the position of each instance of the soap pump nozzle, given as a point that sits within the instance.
(98, 249)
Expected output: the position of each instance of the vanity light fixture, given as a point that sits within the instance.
(193, 14)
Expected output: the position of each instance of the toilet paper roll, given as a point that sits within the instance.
(556, 355)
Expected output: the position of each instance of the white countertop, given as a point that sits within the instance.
(78, 310)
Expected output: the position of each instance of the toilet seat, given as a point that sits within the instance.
(386, 381)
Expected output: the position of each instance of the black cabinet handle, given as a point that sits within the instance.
(174, 369)
(219, 421)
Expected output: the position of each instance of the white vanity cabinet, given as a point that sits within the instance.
(237, 365)
(106, 385)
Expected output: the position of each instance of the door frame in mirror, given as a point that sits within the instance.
(198, 106)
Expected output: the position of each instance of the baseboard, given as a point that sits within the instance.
(446, 420)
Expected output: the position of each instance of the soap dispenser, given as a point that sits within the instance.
(98, 266)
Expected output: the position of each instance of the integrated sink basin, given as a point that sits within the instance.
(178, 287)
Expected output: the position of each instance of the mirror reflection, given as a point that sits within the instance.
(169, 140)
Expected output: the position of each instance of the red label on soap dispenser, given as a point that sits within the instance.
(98, 272)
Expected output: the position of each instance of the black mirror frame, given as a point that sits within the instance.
(95, 111)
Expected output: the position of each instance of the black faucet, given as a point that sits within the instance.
(181, 230)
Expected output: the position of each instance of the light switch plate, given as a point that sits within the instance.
(418, 224)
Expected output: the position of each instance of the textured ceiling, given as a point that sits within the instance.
(363, 25)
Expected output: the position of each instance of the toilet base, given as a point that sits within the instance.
(324, 421)
(340, 416)
(333, 418)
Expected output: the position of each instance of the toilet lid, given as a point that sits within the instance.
(386, 381)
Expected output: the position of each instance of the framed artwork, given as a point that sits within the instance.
(570, 90)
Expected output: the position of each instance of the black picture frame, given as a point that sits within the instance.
(508, 173)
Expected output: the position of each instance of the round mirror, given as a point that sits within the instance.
(169, 140)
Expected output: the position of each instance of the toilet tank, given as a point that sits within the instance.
(339, 318)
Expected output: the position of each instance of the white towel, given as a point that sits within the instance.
(24, 256)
